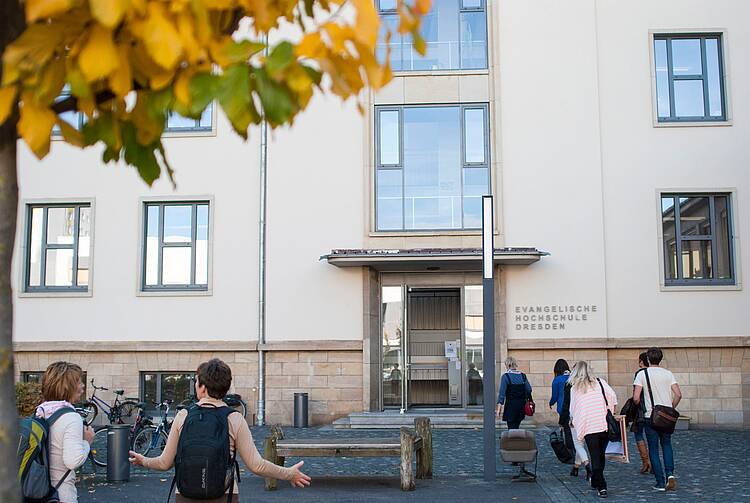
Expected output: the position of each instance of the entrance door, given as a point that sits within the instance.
(433, 347)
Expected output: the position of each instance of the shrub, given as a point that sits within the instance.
(28, 397)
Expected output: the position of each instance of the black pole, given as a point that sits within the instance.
(488, 314)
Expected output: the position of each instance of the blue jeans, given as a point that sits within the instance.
(654, 438)
(638, 432)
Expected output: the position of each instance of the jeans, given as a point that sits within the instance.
(654, 438)
(638, 432)
(582, 456)
(597, 444)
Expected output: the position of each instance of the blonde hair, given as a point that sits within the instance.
(60, 381)
(582, 376)
(511, 363)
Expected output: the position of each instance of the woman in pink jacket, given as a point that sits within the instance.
(588, 410)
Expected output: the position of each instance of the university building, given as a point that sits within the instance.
(613, 137)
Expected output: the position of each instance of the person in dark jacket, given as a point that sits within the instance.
(562, 371)
(637, 428)
(515, 390)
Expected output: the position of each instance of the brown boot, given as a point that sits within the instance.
(645, 462)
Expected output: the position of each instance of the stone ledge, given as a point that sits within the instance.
(627, 343)
(190, 346)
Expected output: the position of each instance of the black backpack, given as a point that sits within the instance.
(33, 459)
(204, 466)
(560, 447)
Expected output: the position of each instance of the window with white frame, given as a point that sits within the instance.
(455, 33)
(58, 247)
(697, 239)
(689, 77)
(178, 123)
(175, 251)
(432, 167)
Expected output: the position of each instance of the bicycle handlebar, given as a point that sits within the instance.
(102, 388)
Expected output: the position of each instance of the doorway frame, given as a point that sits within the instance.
(423, 280)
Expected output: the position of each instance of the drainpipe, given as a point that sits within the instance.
(262, 267)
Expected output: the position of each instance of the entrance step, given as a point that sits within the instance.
(440, 419)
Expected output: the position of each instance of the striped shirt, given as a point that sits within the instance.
(588, 411)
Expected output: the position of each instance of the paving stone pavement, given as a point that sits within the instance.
(711, 467)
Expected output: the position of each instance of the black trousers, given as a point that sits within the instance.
(597, 445)
(514, 425)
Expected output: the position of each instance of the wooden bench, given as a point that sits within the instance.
(410, 441)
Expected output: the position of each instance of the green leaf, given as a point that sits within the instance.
(277, 103)
(159, 103)
(236, 99)
(102, 129)
(78, 85)
(240, 52)
(315, 75)
(203, 89)
(140, 156)
(281, 57)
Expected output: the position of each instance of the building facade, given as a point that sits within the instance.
(613, 138)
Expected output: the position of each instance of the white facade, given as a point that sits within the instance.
(578, 161)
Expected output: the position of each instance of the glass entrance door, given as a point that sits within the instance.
(433, 347)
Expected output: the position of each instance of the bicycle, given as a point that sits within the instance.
(84, 413)
(115, 412)
(98, 452)
(152, 439)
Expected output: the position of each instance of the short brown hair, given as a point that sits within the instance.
(216, 376)
(60, 381)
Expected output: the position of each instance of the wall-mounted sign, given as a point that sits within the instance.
(551, 316)
(451, 349)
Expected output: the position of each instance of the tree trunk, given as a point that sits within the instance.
(11, 26)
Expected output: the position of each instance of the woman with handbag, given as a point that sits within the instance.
(571, 436)
(592, 403)
(514, 398)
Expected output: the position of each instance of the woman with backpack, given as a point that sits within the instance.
(590, 398)
(561, 396)
(210, 435)
(69, 441)
(515, 391)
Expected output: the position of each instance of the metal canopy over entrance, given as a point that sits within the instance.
(429, 259)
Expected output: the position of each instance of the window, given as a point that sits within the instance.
(455, 32)
(36, 377)
(177, 123)
(697, 233)
(58, 255)
(159, 386)
(689, 78)
(432, 167)
(175, 253)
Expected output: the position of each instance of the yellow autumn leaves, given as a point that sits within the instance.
(170, 56)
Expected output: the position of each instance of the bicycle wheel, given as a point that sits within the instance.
(148, 443)
(99, 447)
(91, 411)
(127, 408)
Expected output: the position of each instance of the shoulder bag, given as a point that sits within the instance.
(613, 425)
(663, 417)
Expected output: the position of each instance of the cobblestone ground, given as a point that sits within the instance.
(711, 467)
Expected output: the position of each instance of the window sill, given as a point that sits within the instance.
(407, 234)
(56, 293)
(174, 293)
(700, 288)
(724, 123)
(436, 73)
(188, 133)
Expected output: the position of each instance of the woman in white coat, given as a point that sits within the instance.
(69, 440)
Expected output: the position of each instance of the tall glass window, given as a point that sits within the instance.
(175, 252)
(432, 167)
(689, 78)
(455, 32)
(392, 319)
(58, 250)
(697, 235)
(474, 330)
